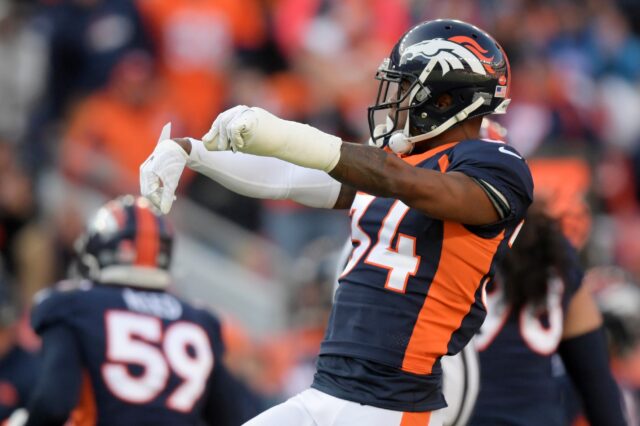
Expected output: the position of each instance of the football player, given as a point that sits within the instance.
(537, 309)
(433, 208)
(117, 348)
(18, 367)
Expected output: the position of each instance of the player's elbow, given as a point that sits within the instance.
(418, 193)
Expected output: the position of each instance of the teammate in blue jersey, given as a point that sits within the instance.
(18, 366)
(433, 208)
(117, 348)
(537, 311)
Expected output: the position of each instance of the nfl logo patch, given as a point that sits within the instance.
(501, 91)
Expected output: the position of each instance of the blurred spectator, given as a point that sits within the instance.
(67, 224)
(337, 46)
(18, 368)
(87, 38)
(196, 42)
(314, 275)
(612, 47)
(111, 132)
(23, 242)
(22, 69)
(562, 184)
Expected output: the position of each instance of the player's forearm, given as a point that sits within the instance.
(263, 177)
(369, 170)
(585, 358)
(443, 196)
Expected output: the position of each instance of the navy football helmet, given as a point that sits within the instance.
(127, 242)
(431, 59)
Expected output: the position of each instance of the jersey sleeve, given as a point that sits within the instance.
(60, 370)
(502, 173)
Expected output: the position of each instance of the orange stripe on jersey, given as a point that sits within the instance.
(443, 162)
(85, 413)
(419, 158)
(147, 240)
(465, 259)
(415, 419)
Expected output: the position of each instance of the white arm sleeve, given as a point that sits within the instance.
(264, 177)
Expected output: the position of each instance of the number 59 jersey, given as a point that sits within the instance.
(147, 356)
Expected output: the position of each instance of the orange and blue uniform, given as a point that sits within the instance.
(413, 288)
(521, 374)
(127, 356)
(18, 375)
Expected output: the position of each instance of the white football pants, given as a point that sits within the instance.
(315, 408)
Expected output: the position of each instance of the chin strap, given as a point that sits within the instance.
(403, 144)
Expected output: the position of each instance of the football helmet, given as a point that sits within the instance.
(431, 59)
(127, 242)
(618, 298)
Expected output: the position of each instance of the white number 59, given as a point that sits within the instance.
(183, 348)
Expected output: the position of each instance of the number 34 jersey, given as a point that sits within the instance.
(147, 356)
(412, 289)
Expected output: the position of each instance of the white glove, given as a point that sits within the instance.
(230, 134)
(258, 132)
(160, 173)
(17, 418)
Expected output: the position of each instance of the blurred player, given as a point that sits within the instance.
(117, 348)
(18, 367)
(432, 212)
(547, 307)
(618, 297)
(537, 308)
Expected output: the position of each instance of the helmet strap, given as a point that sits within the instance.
(460, 116)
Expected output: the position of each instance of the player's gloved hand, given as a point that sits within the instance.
(17, 418)
(222, 136)
(258, 132)
(160, 173)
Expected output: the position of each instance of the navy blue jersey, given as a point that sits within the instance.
(18, 374)
(518, 367)
(147, 357)
(411, 291)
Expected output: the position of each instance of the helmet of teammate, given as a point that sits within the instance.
(435, 58)
(618, 298)
(127, 242)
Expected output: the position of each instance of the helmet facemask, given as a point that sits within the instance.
(398, 94)
(423, 118)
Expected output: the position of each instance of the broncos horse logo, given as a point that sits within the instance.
(450, 54)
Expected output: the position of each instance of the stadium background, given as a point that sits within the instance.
(86, 85)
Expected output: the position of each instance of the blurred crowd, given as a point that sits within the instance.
(86, 86)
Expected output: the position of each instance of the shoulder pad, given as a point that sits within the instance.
(56, 304)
